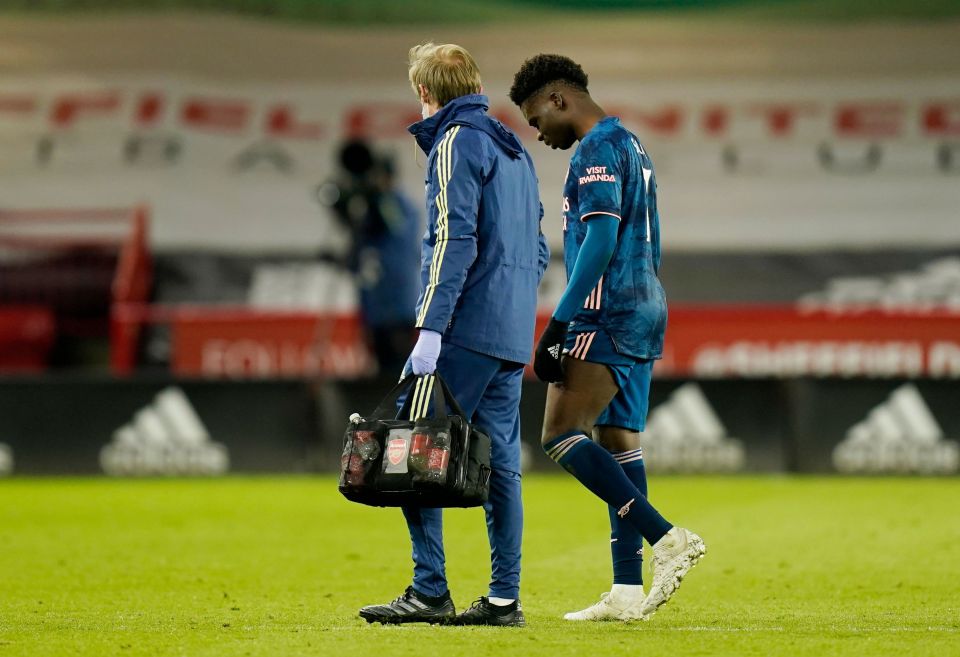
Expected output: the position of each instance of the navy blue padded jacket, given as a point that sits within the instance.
(483, 251)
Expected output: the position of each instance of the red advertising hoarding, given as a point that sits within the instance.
(701, 341)
(765, 341)
(247, 344)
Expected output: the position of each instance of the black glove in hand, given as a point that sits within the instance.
(546, 359)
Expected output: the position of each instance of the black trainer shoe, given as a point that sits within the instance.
(484, 612)
(412, 607)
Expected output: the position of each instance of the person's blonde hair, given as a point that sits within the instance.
(447, 71)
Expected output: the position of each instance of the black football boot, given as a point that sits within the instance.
(412, 607)
(483, 612)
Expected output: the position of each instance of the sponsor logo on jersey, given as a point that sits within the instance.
(597, 174)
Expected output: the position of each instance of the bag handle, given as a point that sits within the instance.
(438, 390)
(442, 398)
(386, 408)
(451, 400)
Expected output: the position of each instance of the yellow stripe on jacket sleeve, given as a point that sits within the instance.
(444, 173)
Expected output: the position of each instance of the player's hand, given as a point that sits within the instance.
(546, 359)
(423, 358)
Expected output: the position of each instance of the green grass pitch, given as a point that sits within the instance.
(279, 566)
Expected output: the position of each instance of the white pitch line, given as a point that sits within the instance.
(854, 630)
(649, 626)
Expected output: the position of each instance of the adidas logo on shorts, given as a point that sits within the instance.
(900, 435)
(166, 437)
(554, 351)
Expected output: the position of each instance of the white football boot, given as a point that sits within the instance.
(620, 604)
(673, 557)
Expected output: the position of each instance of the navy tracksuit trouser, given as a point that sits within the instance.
(488, 389)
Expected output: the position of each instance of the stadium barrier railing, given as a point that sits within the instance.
(61, 270)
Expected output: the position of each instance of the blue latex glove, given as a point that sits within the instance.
(423, 358)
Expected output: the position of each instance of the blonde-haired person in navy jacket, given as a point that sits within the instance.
(482, 260)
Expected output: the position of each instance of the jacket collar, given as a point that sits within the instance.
(426, 131)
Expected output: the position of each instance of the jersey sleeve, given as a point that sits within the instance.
(599, 179)
(592, 260)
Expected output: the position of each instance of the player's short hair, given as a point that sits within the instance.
(540, 70)
(447, 71)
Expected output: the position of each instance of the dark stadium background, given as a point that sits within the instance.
(158, 221)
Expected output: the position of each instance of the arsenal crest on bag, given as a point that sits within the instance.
(437, 460)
